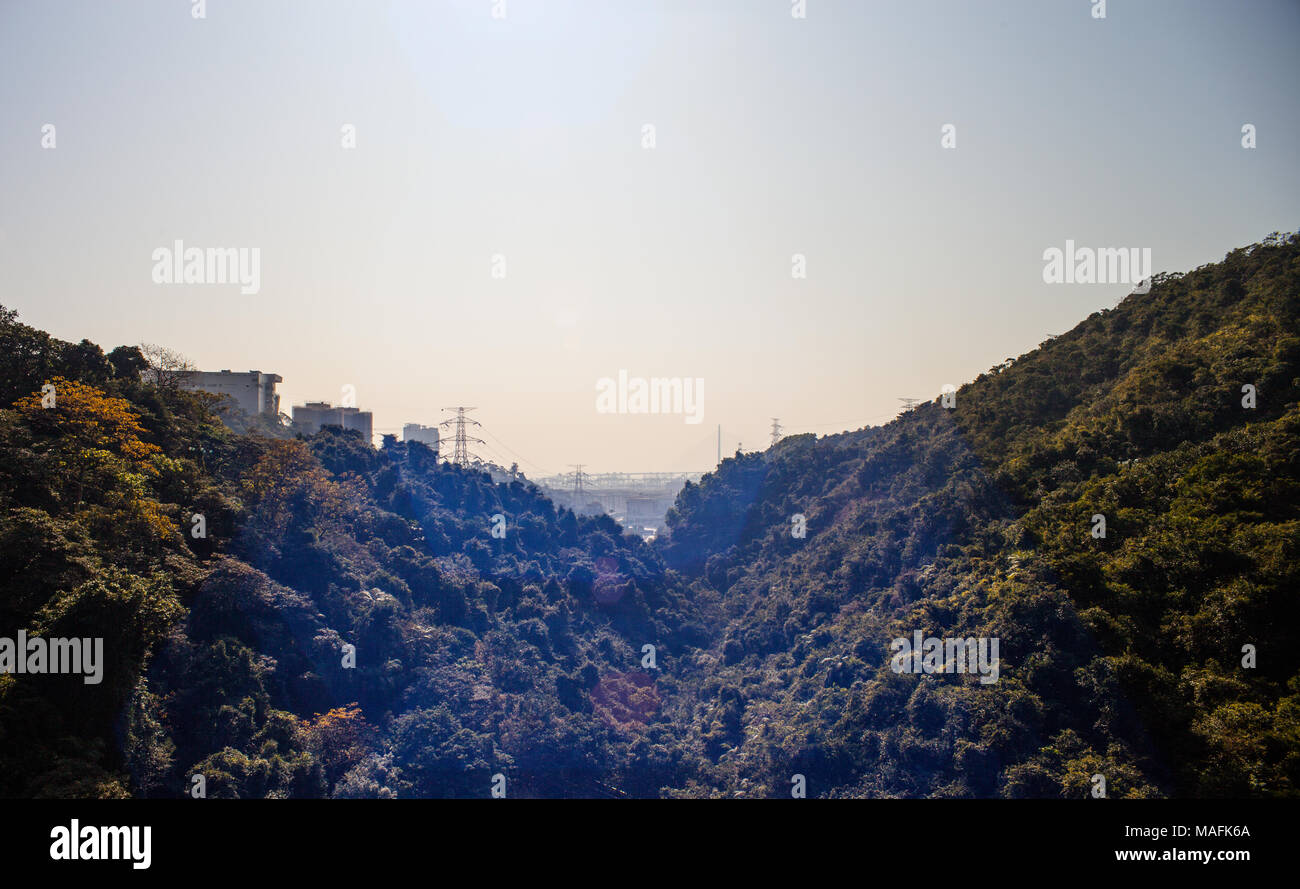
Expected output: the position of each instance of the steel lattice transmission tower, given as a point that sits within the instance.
(776, 430)
(578, 493)
(460, 453)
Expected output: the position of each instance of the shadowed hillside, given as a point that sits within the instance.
(350, 625)
(1119, 656)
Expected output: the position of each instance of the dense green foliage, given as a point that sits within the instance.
(1120, 656)
(476, 655)
(473, 655)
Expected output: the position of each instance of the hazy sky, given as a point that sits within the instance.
(522, 138)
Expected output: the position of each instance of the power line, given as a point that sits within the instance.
(851, 424)
(516, 454)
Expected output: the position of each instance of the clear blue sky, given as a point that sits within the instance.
(523, 137)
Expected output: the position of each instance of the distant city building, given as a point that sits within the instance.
(311, 417)
(424, 434)
(252, 392)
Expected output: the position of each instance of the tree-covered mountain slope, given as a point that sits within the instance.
(227, 655)
(1120, 656)
(354, 622)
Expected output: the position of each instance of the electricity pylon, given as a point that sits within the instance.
(460, 453)
(776, 430)
(577, 483)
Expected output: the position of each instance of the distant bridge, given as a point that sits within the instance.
(636, 500)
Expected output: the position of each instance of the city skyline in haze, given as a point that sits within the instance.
(812, 216)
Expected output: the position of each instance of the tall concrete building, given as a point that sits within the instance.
(253, 392)
(424, 434)
(309, 418)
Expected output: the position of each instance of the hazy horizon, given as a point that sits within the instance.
(479, 139)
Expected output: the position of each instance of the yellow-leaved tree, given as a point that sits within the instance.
(94, 447)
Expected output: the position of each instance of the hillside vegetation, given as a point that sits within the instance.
(1120, 656)
(349, 625)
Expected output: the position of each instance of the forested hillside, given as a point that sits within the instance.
(473, 655)
(1120, 656)
(349, 625)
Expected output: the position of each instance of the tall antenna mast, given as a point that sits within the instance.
(460, 453)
